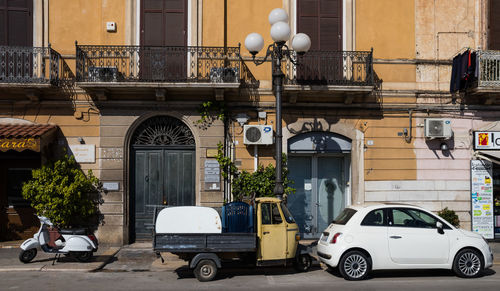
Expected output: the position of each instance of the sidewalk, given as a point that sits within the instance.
(9, 260)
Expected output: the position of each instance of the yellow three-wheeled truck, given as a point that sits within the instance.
(275, 241)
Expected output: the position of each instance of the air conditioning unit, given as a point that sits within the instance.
(437, 128)
(258, 134)
(103, 74)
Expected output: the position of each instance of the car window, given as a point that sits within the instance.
(412, 218)
(344, 216)
(276, 214)
(286, 212)
(374, 218)
(266, 213)
(270, 213)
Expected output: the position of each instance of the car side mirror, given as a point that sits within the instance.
(439, 227)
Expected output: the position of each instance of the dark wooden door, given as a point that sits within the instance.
(164, 40)
(16, 22)
(322, 21)
(161, 177)
(494, 25)
(16, 29)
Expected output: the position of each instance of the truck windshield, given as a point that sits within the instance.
(286, 212)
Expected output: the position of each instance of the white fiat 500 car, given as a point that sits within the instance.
(399, 236)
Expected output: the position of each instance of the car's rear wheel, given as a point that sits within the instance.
(468, 263)
(354, 265)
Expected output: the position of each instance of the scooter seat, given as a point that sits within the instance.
(74, 231)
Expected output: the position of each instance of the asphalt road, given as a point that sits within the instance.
(235, 278)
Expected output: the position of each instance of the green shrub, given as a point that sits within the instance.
(246, 185)
(450, 216)
(61, 192)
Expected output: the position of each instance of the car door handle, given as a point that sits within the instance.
(395, 236)
(266, 232)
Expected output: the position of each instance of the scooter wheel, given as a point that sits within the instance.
(27, 255)
(84, 256)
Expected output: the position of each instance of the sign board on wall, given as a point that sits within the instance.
(482, 197)
(84, 153)
(487, 140)
(212, 175)
(19, 144)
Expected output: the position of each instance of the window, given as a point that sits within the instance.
(271, 214)
(374, 218)
(286, 212)
(344, 216)
(412, 218)
(15, 179)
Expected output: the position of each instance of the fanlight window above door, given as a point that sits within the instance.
(163, 131)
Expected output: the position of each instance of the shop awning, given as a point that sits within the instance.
(20, 137)
(492, 156)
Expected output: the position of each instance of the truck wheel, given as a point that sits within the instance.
(354, 265)
(468, 264)
(27, 255)
(205, 270)
(303, 263)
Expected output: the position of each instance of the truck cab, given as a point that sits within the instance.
(277, 233)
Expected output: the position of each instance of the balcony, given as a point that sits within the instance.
(28, 70)
(345, 74)
(152, 70)
(487, 84)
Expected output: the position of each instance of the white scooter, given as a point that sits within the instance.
(71, 242)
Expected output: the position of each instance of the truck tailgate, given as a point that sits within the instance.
(216, 242)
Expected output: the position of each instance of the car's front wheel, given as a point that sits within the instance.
(354, 265)
(468, 263)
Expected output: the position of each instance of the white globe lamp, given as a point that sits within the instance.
(301, 43)
(277, 15)
(280, 31)
(254, 42)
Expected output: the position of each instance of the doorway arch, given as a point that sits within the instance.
(162, 170)
(319, 165)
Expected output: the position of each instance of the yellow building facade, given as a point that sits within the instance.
(123, 82)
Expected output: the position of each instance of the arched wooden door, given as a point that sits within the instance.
(162, 170)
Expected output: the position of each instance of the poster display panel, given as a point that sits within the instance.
(482, 197)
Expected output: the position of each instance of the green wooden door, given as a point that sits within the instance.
(161, 177)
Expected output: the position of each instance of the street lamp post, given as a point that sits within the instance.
(280, 33)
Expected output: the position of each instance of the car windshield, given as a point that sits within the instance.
(344, 216)
(286, 212)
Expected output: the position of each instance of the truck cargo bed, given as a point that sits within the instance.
(203, 242)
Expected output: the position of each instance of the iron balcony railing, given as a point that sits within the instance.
(118, 63)
(341, 68)
(29, 65)
(489, 69)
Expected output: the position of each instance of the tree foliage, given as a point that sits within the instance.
(256, 184)
(61, 192)
(450, 216)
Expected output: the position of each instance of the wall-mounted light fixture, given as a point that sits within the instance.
(444, 146)
(242, 118)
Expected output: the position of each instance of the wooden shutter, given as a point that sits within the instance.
(164, 22)
(16, 22)
(494, 25)
(322, 21)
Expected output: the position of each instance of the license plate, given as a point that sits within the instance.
(325, 236)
